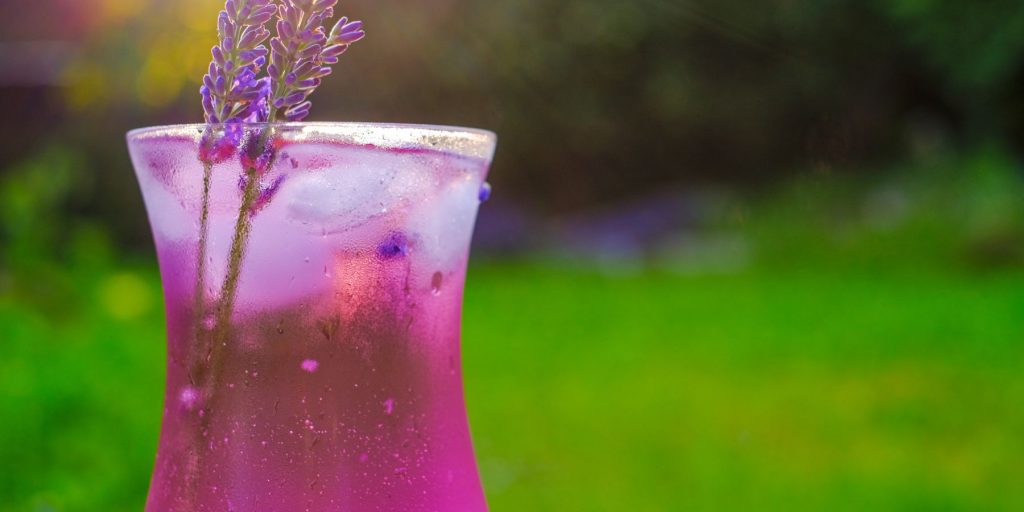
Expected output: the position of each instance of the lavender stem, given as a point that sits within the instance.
(204, 228)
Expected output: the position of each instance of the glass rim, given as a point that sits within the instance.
(467, 141)
(320, 124)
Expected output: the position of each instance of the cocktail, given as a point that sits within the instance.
(333, 383)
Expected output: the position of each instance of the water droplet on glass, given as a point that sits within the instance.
(209, 321)
(310, 365)
(485, 192)
(389, 405)
(188, 397)
(435, 283)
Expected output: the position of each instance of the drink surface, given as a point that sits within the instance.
(335, 382)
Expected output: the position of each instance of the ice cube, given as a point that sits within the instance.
(443, 225)
(355, 186)
(337, 200)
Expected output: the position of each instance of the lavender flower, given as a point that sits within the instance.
(302, 53)
(231, 90)
(394, 246)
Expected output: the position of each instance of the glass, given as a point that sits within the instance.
(313, 278)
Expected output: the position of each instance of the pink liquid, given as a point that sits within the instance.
(337, 384)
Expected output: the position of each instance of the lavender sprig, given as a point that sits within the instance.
(233, 93)
(231, 90)
(302, 53)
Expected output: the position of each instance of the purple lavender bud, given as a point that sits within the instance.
(304, 68)
(349, 32)
(317, 18)
(396, 245)
(267, 11)
(209, 85)
(310, 51)
(298, 112)
(295, 98)
(339, 24)
(306, 37)
(284, 30)
(278, 47)
(249, 39)
(208, 104)
(223, 25)
(333, 50)
(292, 14)
(250, 95)
(257, 111)
(252, 55)
(218, 56)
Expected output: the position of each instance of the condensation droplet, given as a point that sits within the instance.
(188, 397)
(310, 365)
(436, 282)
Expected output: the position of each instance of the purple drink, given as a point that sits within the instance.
(332, 381)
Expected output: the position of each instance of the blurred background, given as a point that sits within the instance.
(741, 255)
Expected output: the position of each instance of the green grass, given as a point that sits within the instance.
(823, 391)
(860, 350)
(813, 390)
